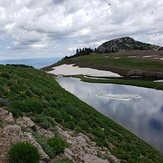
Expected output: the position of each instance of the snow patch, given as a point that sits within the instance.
(76, 70)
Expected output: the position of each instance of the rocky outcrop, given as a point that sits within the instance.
(9, 135)
(126, 43)
(81, 149)
(25, 122)
(6, 117)
(44, 157)
(94, 159)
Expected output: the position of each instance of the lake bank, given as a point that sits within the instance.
(127, 64)
(101, 76)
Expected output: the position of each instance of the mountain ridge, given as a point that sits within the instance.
(125, 44)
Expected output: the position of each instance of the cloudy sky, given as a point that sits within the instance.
(55, 28)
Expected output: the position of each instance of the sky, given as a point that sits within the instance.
(56, 28)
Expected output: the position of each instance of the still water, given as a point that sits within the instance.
(138, 109)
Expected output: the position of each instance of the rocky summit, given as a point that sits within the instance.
(125, 44)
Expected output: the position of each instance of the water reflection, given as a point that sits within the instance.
(142, 116)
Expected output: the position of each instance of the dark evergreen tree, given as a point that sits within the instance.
(77, 51)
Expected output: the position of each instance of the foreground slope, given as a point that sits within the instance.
(33, 93)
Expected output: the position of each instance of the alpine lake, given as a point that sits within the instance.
(138, 109)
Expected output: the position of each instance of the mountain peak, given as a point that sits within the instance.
(126, 43)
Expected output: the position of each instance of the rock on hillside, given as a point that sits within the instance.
(80, 150)
(126, 43)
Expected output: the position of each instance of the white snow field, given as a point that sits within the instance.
(70, 69)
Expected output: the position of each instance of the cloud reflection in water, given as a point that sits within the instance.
(142, 114)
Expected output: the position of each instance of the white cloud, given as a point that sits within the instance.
(58, 26)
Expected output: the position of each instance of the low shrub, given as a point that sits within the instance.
(69, 125)
(44, 121)
(54, 113)
(43, 142)
(15, 112)
(23, 152)
(2, 103)
(84, 125)
(98, 133)
(5, 75)
(30, 105)
(45, 124)
(57, 144)
(19, 105)
(34, 128)
(35, 105)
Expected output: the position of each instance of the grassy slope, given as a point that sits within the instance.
(33, 91)
(140, 83)
(120, 62)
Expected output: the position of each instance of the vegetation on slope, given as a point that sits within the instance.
(120, 60)
(140, 83)
(128, 64)
(23, 152)
(25, 90)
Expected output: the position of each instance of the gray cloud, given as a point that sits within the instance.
(58, 26)
(58, 1)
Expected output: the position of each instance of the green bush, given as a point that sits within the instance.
(69, 125)
(54, 113)
(15, 112)
(43, 142)
(19, 105)
(44, 121)
(34, 128)
(30, 105)
(57, 144)
(52, 103)
(2, 103)
(23, 152)
(99, 133)
(5, 75)
(14, 89)
(84, 125)
(45, 124)
(35, 105)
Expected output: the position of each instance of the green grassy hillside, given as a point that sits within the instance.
(25, 90)
(146, 65)
(128, 60)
